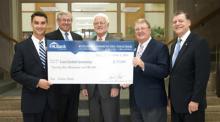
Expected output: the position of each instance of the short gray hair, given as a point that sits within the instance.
(101, 15)
(62, 13)
(142, 20)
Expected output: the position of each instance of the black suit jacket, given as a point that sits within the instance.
(64, 88)
(148, 89)
(27, 69)
(190, 74)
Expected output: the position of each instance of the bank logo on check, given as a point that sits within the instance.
(57, 46)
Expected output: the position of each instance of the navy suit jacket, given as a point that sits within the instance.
(190, 74)
(148, 89)
(65, 89)
(27, 69)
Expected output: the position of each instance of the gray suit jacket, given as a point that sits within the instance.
(104, 89)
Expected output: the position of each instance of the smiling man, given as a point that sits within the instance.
(30, 70)
(148, 98)
(68, 94)
(189, 75)
(103, 98)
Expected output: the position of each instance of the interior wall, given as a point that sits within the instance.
(6, 28)
(198, 9)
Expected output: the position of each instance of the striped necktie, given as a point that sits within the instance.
(140, 51)
(42, 54)
(66, 36)
(176, 51)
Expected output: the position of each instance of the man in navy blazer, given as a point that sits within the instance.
(68, 94)
(189, 73)
(37, 100)
(148, 99)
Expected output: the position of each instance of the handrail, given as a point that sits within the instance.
(200, 22)
(7, 37)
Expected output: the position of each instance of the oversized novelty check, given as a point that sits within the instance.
(90, 62)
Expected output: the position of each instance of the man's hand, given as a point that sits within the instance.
(44, 84)
(138, 62)
(193, 106)
(114, 92)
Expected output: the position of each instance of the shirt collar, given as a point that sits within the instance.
(146, 42)
(63, 32)
(103, 37)
(184, 37)
(36, 40)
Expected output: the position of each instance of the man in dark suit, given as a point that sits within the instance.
(189, 75)
(29, 69)
(148, 98)
(103, 98)
(68, 94)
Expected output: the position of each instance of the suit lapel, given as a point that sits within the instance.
(32, 49)
(183, 49)
(136, 47)
(59, 34)
(148, 48)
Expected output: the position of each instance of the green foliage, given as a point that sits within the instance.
(157, 33)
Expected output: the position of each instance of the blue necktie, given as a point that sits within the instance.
(176, 51)
(42, 54)
(66, 36)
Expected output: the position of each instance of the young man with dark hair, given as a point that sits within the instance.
(29, 68)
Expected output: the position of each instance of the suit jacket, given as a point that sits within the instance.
(104, 89)
(190, 74)
(148, 89)
(64, 88)
(27, 70)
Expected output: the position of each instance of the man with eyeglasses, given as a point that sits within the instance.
(103, 98)
(68, 94)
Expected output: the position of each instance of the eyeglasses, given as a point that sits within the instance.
(99, 23)
(141, 28)
(66, 20)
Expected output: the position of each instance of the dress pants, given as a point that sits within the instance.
(198, 116)
(47, 115)
(68, 107)
(103, 109)
(149, 115)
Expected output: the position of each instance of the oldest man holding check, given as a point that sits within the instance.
(91, 62)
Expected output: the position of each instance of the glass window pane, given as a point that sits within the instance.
(155, 19)
(26, 21)
(94, 7)
(28, 6)
(61, 6)
(154, 7)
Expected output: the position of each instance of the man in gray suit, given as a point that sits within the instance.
(104, 98)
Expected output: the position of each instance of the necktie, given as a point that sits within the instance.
(176, 51)
(42, 54)
(66, 36)
(140, 50)
(100, 39)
